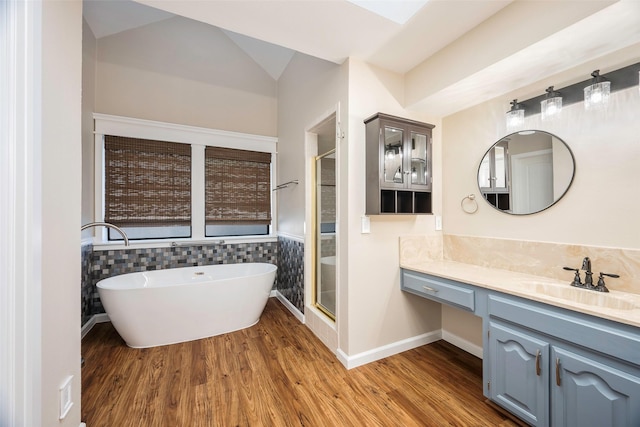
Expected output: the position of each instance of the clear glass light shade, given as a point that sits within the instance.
(597, 95)
(515, 118)
(551, 107)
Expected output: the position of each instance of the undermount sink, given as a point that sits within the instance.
(586, 297)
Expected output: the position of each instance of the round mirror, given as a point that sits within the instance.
(526, 172)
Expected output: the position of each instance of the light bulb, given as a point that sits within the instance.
(551, 106)
(597, 94)
(515, 116)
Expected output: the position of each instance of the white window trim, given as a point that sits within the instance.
(198, 138)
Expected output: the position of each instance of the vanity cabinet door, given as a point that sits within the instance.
(586, 392)
(519, 379)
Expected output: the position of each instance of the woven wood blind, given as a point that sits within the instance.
(147, 183)
(237, 186)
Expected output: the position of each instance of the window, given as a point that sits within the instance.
(147, 187)
(237, 192)
(164, 180)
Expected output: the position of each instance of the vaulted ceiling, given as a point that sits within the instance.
(450, 51)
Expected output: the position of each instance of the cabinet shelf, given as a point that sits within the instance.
(404, 202)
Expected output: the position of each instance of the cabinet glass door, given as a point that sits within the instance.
(419, 159)
(500, 167)
(393, 170)
(494, 169)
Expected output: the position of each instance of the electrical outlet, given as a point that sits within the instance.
(66, 401)
(438, 222)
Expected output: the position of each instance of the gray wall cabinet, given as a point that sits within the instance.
(398, 165)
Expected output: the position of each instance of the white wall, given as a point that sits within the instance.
(60, 177)
(183, 71)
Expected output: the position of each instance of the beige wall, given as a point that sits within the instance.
(308, 91)
(372, 311)
(516, 27)
(60, 176)
(600, 208)
(89, 58)
(182, 71)
(378, 312)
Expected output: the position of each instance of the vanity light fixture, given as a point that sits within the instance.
(551, 106)
(515, 116)
(596, 95)
(588, 91)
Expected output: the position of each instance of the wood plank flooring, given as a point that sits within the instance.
(276, 373)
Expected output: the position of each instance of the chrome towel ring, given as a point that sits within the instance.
(469, 204)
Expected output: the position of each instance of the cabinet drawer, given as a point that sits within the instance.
(438, 289)
(607, 337)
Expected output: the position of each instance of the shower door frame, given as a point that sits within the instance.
(316, 242)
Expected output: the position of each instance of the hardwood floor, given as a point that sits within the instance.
(276, 373)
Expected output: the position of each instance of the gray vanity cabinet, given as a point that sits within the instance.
(519, 379)
(588, 392)
(547, 365)
(552, 368)
(551, 385)
(398, 165)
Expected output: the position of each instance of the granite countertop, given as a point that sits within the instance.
(619, 306)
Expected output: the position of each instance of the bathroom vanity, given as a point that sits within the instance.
(553, 355)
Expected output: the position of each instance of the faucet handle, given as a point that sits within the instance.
(576, 279)
(601, 287)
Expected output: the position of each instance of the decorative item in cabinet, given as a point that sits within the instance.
(398, 165)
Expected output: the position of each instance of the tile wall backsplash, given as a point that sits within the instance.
(100, 264)
(530, 257)
(546, 259)
(328, 245)
(291, 271)
(85, 279)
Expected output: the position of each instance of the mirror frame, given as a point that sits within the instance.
(556, 200)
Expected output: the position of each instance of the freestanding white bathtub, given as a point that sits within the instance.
(162, 307)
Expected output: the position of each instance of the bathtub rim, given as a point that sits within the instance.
(127, 281)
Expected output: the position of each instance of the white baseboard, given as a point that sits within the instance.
(372, 355)
(463, 344)
(292, 308)
(96, 318)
